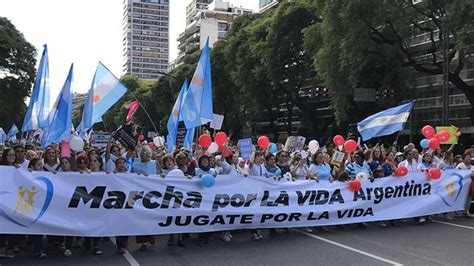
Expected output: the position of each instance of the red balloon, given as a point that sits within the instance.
(434, 173)
(354, 185)
(428, 131)
(263, 142)
(227, 150)
(433, 143)
(338, 140)
(401, 171)
(220, 138)
(443, 136)
(350, 145)
(205, 141)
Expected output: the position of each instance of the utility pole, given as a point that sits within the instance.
(445, 47)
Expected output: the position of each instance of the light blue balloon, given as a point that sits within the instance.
(273, 148)
(207, 180)
(424, 143)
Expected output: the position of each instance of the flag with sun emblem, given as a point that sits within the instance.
(105, 91)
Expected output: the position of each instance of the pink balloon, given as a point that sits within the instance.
(434, 173)
(338, 140)
(65, 149)
(354, 185)
(205, 141)
(428, 131)
(263, 142)
(350, 145)
(433, 143)
(443, 136)
(220, 138)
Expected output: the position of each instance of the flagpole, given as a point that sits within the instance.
(144, 110)
(136, 98)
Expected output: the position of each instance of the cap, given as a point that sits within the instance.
(398, 154)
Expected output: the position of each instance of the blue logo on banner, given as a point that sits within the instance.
(450, 190)
(26, 203)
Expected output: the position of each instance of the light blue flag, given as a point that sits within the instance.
(105, 91)
(386, 122)
(60, 126)
(3, 136)
(197, 107)
(173, 120)
(12, 132)
(38, 109)
(188, 139)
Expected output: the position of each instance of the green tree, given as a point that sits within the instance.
(17, 73)
(369, 43)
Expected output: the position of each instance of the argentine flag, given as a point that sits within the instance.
(197, 108)
(38, 109)
(61, 114)
(386, 122)
(173, 120)
(105, 91)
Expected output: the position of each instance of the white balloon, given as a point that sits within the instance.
(213, 147)
(159, 141)
(76, 144)
(313, 146)
(175, 172)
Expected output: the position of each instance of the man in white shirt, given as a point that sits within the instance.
(20, 156)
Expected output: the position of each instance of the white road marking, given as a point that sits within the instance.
(350, 248)
(127, 255)
(457, 225)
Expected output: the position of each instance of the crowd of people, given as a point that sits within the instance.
(378, 161)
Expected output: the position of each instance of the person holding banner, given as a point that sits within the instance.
(410, 162)
(319, 168)
(37, 165)
(144, 165)
(282, 162)
(50, 160)
(168, 164)
(467, 165)
(359, 166)
(20, 156)
(299, 169)
(389, 166)
(8, 243)
(204, 167)
(271, 170)
(256, 161)
(121, 241)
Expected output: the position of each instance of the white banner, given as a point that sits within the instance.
(100, 204)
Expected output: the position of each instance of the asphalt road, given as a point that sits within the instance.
(439, 243)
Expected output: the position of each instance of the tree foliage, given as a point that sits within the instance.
(17, 73)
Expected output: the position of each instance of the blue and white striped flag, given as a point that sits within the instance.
(61, 113)
(386, 122)
(197, 108)
(105, 91)
(173, 120)
(38, 109)
(12, 133)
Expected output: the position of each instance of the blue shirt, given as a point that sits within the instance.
(268, 174)
(353, 169)
(323, 171)
(211, 171)
(144, 168)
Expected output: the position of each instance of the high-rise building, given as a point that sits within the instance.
(207, 21)
(145, 37)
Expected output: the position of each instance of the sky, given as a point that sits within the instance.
(84, 32)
